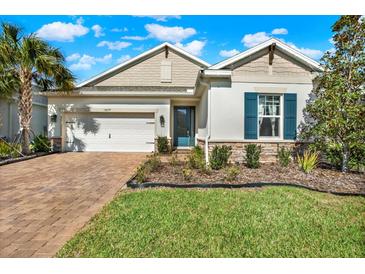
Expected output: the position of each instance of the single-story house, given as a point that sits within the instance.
(9, 118)
(256, 96)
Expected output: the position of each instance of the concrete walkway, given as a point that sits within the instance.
(45, 201)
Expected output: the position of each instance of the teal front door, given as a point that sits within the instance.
(184, 126)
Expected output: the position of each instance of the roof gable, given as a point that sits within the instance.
(139, 58)
(295, 54)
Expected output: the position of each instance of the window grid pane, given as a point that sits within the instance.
(269, 115)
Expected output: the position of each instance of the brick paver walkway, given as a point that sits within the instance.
(44, 201)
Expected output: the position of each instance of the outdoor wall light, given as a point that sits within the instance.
(54, 118)
(162, 121)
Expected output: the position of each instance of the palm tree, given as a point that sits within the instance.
(27, 60)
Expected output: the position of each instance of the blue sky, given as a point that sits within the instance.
(93, 44)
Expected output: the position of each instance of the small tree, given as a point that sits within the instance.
(336, 112)
(27, 59)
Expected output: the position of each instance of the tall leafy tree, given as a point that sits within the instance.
(337, 111)
(26, 60)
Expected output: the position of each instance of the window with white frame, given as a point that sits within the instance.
(269, 115)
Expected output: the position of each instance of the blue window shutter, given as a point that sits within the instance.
(250, 115)
(290, 116)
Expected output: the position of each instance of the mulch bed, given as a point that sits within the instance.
(321, 179)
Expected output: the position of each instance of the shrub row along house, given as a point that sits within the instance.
(256, 96)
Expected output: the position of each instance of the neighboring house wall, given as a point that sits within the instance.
(10, 118)
(148, 72)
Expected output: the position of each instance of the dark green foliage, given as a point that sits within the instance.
(335, 113)
(220, 156)
(196, 158)
(252, 158)
(8, 150)
(40, 144)
(284, 155)
(163, 144)
(333, 155)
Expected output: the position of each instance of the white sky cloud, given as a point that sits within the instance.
(73, 57)
(171, 34)
(251, 40)
(62, 32)
(140, 48)
(98, 31)
(117, 45)
(123, 58)
(161, 18)
(279, 31)
(136, 38)
(312, 53)
(228, 53)
(86, 62)
(125, 29)
(195, 47)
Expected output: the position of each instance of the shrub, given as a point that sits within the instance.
(162, 144)
(9, 150)
(231, 173)
(196, 158)
(173, 160)
(284, 155)
(40, 144)
(219, 156)
(253, 155)
(187, 174)
(308, 161)
(142, 173)
(153, 162)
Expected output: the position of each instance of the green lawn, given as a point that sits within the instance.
(271, 222)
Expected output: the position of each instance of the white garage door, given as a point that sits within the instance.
(134, 132)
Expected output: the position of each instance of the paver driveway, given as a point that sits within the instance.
(44, 201)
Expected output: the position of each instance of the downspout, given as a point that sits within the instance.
(207, 137)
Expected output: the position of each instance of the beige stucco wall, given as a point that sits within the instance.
(148, 72)
(62, 105)
(227, 106)
(284, 69)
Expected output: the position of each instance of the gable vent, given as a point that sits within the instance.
(166, 71)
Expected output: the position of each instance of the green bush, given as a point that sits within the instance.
(142, 174)
(333, 155)
(153, 162)
(220, 156)
(40, 144)
(308, 161)
(252, 158)
(173, 160)
(9, 150)
(284, 155)
(196, 158)
(187, 174)
(231, 173)
(163, 144)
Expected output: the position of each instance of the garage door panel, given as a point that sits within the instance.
(110, 132)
